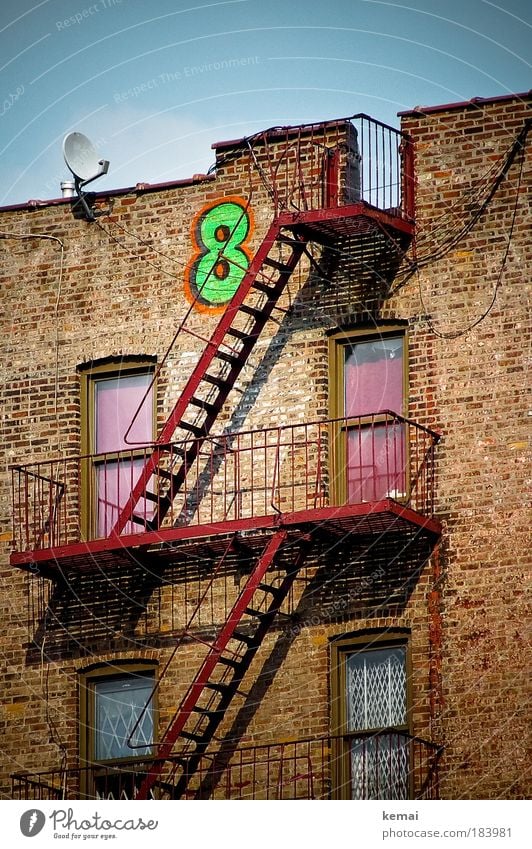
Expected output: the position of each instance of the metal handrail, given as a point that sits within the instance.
(317, 750)
(229, 436)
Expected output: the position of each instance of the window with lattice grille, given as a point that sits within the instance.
(118, 722)
(119, 707)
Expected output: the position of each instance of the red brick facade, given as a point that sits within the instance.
(76, 293)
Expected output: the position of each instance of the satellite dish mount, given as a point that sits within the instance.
(85, 165)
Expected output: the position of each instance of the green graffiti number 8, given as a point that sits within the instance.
(223, 258)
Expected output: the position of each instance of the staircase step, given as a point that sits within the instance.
(218, 686)
(251, 612)
(152, 496)
(189, 735)
(256, 313)
(268, 588)
(238, 334)
(267, 288)
(164, 502)
(288, 240)
(140, 520)
(248, 639)
(226, 690)
(229, 661)
(215, 379)
(211, 714)
(195, 429)
(228, 358)
(168, 476)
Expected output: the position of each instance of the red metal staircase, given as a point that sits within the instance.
(207, 389)
(221, 672)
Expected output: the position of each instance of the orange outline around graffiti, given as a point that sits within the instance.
(206, 208)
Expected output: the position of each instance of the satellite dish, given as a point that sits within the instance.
(84, 163)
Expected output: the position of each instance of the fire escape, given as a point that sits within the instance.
(263, 498)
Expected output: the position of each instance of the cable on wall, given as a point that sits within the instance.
(451, 239)
(456, 334)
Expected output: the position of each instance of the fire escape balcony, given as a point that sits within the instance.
(390, 764)
(370, 476)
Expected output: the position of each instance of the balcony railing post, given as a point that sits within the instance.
(408, 178)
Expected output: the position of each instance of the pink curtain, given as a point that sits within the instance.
(373, 380)
(115, 480)
(117, 401)
(376, 463)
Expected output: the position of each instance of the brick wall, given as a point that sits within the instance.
(119, 291)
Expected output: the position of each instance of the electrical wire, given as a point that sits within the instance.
(452, 238)
(456, 334)
(480, 194)
(138, 256)
(182, 325)
(481, 201)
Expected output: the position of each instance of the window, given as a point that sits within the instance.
(370, 712)
(118, 417)
(117, 725)
(368, 391)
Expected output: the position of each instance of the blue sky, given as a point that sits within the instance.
(154, 82)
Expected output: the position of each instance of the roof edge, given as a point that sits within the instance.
(139, 189)
(280, 131)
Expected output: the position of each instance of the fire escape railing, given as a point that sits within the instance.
(389, 764)
(235, 476)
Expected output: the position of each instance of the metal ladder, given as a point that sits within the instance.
(217, 681)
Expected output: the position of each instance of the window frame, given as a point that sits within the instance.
(90, 374)
(340, 648)
(339, 340)
(87, 681)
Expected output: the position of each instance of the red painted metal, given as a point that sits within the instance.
(306, 196)
(332, 173)
(353, 215)
(253, 476)
(304, 174)
(177, 416)
(370, 518)
(408, 179)
(271, 483)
